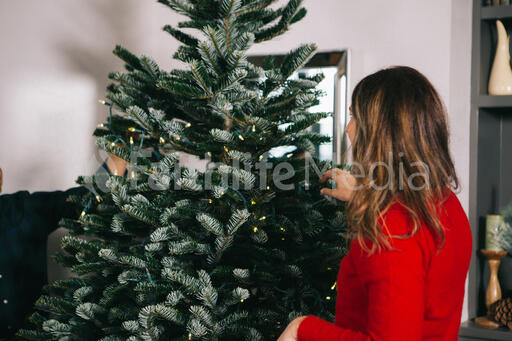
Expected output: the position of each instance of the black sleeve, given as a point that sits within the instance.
(12, 208)
(52, 206)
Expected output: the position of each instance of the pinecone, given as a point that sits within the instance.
(501, 311)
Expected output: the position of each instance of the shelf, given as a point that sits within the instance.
(496, 12)
(469, 330)
(488, 101)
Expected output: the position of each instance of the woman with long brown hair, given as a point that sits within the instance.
(410, 239)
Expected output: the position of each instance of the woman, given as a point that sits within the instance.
(410, 240)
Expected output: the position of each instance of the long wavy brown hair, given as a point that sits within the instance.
(400, 154)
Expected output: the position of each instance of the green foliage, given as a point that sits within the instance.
(226, 254)
(503, 234)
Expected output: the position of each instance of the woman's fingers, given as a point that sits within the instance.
(345, 184)
(330, 174)
(328, 191)
(326, 175)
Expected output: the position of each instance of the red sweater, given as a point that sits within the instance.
(407, 295)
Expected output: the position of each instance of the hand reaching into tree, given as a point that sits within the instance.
(116, 165)
(346, 184)
(290, 333)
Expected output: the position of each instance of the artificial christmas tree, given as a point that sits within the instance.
(234, 252)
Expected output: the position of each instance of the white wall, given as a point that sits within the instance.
(459, 104)
(56, 55)
(53, 64)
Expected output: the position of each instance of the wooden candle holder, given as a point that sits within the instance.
(493, 292)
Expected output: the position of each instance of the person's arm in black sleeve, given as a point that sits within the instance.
(53, 206)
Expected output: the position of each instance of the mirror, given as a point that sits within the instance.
(334, 66)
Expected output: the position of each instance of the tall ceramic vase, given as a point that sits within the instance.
(500, 82)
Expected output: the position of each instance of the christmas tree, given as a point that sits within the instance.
(233, 252)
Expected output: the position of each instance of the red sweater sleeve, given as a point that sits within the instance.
(393, 280)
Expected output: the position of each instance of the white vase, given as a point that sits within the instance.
(500, 81)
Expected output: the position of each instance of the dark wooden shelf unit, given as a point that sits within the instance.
(470, 332)
(488, 101)
(496, 12)
(490, 180)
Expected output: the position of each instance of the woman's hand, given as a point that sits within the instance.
(116, 165)
(345, 184)
(290, 333)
